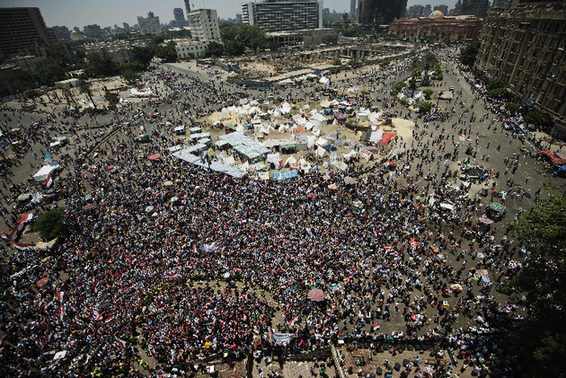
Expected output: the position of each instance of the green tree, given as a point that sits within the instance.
(99, 64)
(167, 52)
(142, 56)
(51, 224)
(398, 87)
(424, 107)
(469, 53)
(215, 49)
(427, 93)
(538, 118)
(239, 37)
(130, 74)
(542, 339)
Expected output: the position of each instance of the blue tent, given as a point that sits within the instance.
(283, 175)
(560, 170)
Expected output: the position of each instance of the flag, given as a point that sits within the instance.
(48, 182)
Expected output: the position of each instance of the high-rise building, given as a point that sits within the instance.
(416, 11)
(126, 27)
(501, 4)
(188, 8)
(525, 47)
(149, 24)
(427, 10)
(354, 9)
(283, 15)
(471, 7)
(179, 17)
(22, 30)
(380, 12)
(442, 8)
(204, 25)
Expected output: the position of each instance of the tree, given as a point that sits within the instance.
(538, 118)
(424, 107)
(427, 93)
(469, 54)
(540, 231)
(397, 87)
(130, 74)
(239, 37)
(412, 85)
(167, 52)
(215, 49)
(142, 56)
(100, 65)
(51, 224)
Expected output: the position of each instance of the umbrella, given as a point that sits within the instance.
(154, 157)
(316, 295)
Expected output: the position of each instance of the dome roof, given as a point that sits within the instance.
(436, 14)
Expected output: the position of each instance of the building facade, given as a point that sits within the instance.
(437, 27)
(188, 8)
(204, 25)
(22, 31)
(149, 24)
(189, 49)
(283, 15)
(381, 12)
(525, 46)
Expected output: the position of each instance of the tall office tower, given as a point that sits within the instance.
(22, 30)
(415, 11)
(472, 7)
(501, 4)
(353, 9)
(427, 10)
(149, 24)
(379, 12)
(187, 8)
(179, 16)
(204, 25)
(283, 15)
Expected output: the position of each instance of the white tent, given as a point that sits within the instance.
(45, 171)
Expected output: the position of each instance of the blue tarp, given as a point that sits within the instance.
(284, 175)
(560, 170)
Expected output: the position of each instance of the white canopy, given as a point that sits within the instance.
(45, 171)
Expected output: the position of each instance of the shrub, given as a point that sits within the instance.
(51, 224)
(424, 107)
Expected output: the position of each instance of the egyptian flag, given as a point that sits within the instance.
(48, 182)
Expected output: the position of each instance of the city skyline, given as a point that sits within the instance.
(72, 13)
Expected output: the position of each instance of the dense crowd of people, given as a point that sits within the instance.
(188, 265)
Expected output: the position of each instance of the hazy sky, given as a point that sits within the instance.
(109, 12)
